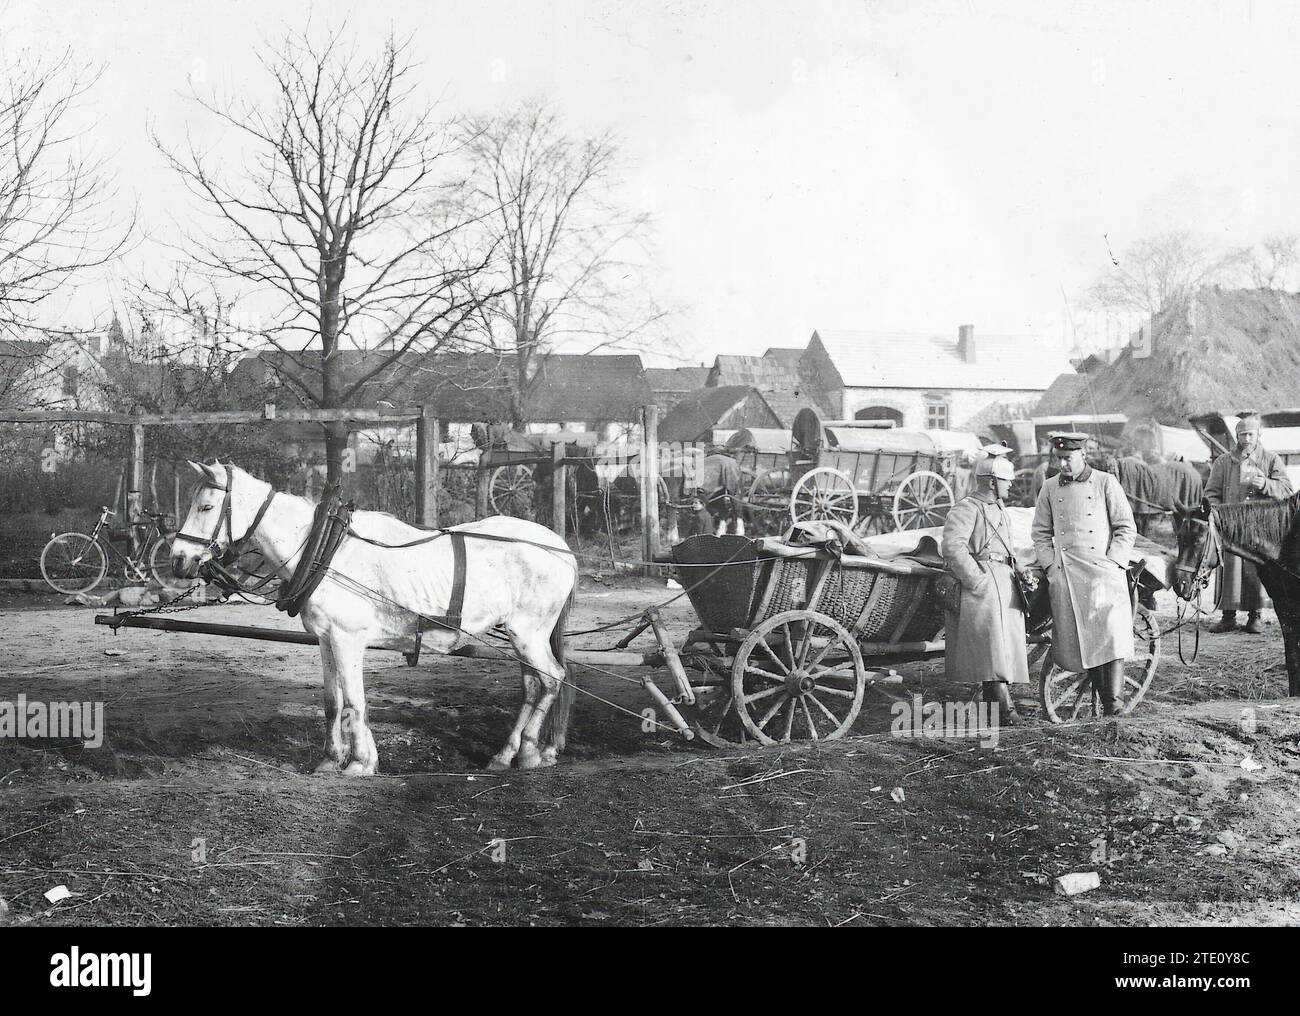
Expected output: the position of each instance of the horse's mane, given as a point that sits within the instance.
(1260, 527)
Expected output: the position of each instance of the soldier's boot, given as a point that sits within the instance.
(1253, 625)
(1228, 623)
(1110, 679)
(997, 692)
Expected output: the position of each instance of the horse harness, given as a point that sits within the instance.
(331, 524)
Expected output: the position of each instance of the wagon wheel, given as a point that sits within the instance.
(511, 490)
(715, 719)
(1022, 489)
(1068, 696)
(922, 500)
(798, 675)
(824, 494)
(767, 498)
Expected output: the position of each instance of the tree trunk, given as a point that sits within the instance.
(336, 433)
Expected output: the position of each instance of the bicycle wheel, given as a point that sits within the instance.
(160, 565)
(73, 563)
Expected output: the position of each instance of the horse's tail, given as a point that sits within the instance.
(556, 728)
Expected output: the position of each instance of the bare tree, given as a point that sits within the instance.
(1270, 263)
(56, 214)
(1159, 270)
(567, 250)
(341, 216)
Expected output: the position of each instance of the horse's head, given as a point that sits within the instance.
(227, 501)
(1198, 552)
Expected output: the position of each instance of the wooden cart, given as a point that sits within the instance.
(873, 478)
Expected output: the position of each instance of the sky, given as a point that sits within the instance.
(905, 166)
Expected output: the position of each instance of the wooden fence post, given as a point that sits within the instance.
(649, 483)
(427, 437)
(136, 485)
(483, 478)
(558, 484)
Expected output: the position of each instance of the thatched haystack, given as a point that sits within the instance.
(1220, 350)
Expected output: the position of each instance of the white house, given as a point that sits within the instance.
(923, 381)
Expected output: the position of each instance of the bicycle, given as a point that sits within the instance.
(76, 563)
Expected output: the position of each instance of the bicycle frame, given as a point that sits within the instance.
(139, 560)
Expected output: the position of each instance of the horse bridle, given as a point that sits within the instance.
(211, 545)
(1213, 543)
(1199, 581)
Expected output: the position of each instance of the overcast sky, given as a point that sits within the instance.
(832, 164)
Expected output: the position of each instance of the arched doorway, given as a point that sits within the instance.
(880, 413)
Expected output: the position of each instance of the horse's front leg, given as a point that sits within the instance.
(349, 657)
(332, 696)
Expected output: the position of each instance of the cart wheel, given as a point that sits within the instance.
(824, 494)
(922, 500)
(798, 675)
(1067, 696)
(511, 490)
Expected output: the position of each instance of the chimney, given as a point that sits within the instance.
(966, 343)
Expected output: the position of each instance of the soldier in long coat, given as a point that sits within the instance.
(985, 638)
(1247, 473)
(1083, 534)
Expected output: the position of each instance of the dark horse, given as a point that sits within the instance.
(1266, 534)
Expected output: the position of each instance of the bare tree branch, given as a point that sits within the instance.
(329, 218)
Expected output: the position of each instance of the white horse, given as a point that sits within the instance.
(373, 596)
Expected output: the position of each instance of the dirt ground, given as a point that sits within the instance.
(197, 808)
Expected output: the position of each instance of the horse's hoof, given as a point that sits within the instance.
(550, 756)
(534, 760)
(359, 769)
(327, 765)
(499, 762)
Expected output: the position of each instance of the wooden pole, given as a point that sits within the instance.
(649, 482)
(558, 478)
(136, 485)
(483, 478)
(426, 468)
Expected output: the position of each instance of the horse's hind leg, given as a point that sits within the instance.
(349, 656)
(332, 696)
(531, 690)
(550, 677)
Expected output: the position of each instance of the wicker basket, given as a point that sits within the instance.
(733, 586)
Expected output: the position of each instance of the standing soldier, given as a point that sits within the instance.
(1247, 473)
(985, 635)
(1083, 532)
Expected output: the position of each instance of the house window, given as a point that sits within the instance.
(70, 381)
(880, 413)
(936, 414)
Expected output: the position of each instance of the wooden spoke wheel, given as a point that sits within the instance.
(511, 491)
(922, 500)
(1067, 696)
(824, 494)
(768, 499)
(798, 676)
